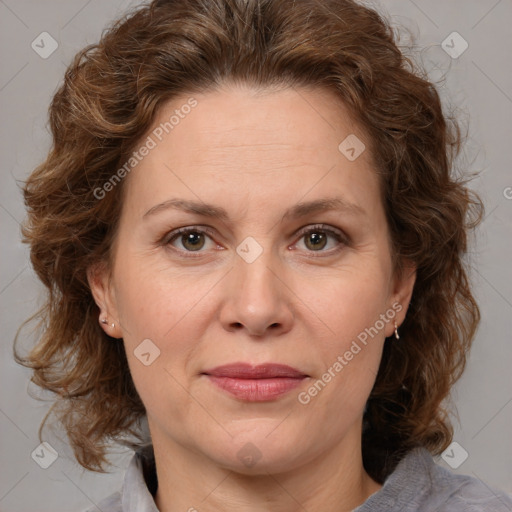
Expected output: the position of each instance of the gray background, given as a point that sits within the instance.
(479, 82)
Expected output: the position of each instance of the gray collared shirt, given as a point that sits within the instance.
(418, 484)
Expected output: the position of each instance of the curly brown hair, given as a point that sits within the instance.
(107, 103)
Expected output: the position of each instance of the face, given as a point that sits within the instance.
(248, 238)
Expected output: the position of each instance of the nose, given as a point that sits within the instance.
(257, 299)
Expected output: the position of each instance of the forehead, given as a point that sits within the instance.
(260, 120)
(239, 143)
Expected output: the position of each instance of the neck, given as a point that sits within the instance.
(334, 481)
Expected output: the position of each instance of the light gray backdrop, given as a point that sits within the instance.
(478, 80)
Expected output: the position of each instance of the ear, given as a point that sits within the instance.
(100, 283)
(403, 286)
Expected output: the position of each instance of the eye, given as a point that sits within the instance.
(190, 239)
(317, 238)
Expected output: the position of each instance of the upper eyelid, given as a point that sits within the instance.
(321, 227)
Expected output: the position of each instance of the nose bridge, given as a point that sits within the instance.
(258, 297)
(256, 280)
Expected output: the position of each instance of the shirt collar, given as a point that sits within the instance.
(140, 483)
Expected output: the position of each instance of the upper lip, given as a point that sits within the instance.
(249, 371)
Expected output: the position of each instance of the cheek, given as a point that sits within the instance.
(168, 307)
(348, 301)
(354, 313)
(151, 299)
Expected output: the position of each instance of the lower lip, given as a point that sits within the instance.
(257, 390)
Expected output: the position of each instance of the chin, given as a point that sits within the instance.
(260, 455)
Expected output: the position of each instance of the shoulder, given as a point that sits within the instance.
(418, 484)
(454, 492)
(110, 504)
(469, 494)
(139, 486)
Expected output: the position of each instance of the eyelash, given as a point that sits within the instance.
(322, 228)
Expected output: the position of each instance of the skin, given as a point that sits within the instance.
(255, 154)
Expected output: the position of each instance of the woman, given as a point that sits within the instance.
(252, 239)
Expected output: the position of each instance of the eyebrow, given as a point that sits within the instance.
(297, 211)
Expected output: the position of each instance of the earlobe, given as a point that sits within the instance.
(406, 283)
(99, 281)
(402, 293)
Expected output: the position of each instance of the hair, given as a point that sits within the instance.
(108, 101)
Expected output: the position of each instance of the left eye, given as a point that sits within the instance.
(316, 239)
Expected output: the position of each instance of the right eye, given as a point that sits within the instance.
(189, 239)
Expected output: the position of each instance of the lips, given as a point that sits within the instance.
(262, 371)
(259, 383)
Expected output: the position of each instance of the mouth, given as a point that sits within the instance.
(261, 383)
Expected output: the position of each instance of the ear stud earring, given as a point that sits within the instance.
(105, 321)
